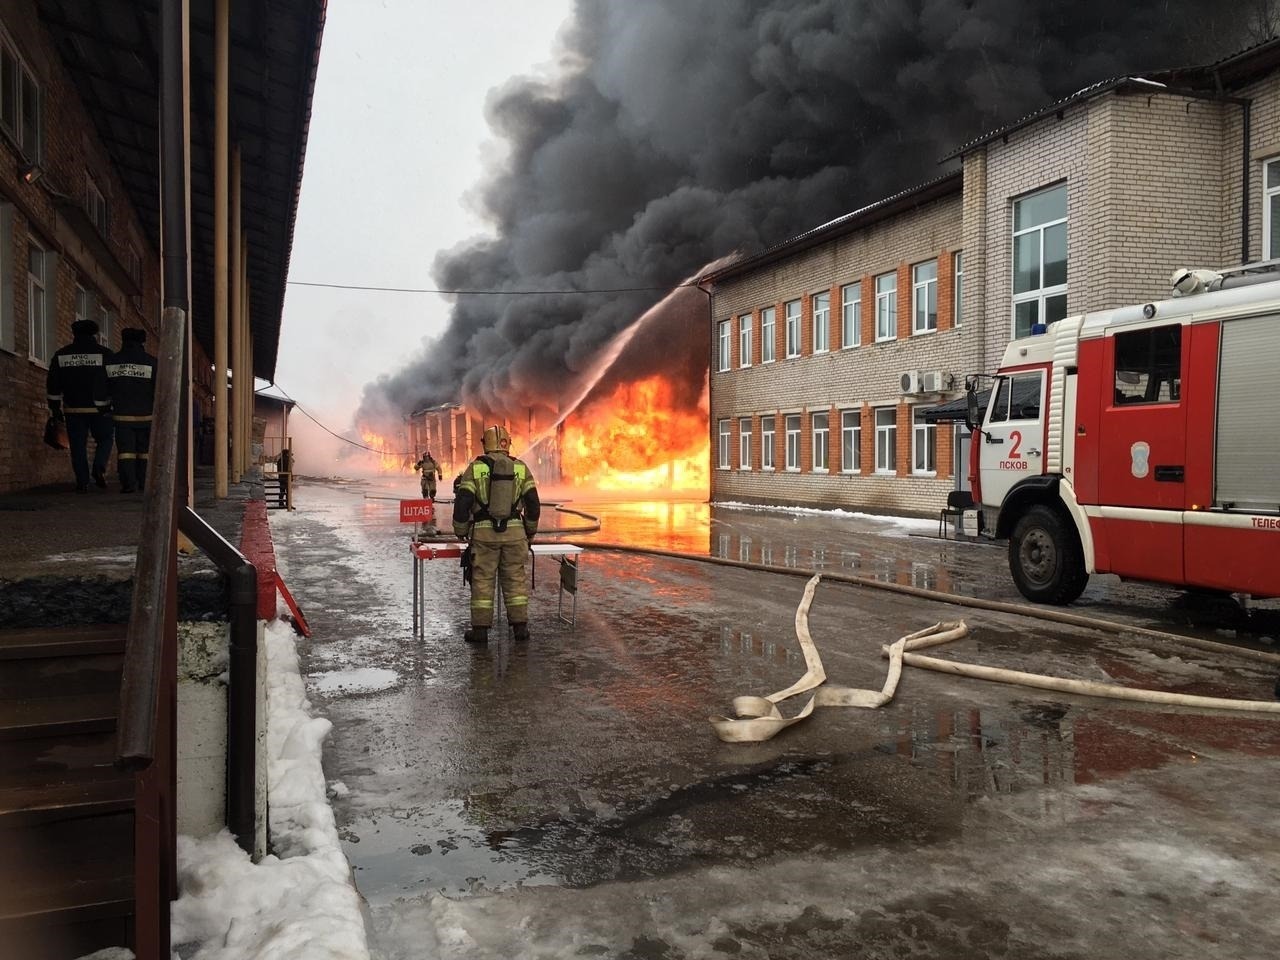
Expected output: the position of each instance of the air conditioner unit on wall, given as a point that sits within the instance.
(932, 381)
(910, 381)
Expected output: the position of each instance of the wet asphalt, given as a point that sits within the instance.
(567, 797)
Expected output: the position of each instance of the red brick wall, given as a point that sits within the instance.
(904, 304)
(904, 435)
(868, 434)
(868, 309)
(946, 290)
(806, 326)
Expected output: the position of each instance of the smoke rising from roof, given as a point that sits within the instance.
(676, 132)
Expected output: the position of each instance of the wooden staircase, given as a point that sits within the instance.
(66, 812)
(274, 492)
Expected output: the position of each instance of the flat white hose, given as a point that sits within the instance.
(758, 718)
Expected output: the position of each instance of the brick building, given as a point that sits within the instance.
(828, 348)
(71, 243)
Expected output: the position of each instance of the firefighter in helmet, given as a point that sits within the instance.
(430, 469)
(496, 507)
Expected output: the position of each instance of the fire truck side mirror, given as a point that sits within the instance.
(972, 415)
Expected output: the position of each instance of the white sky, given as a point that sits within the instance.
(396, 142)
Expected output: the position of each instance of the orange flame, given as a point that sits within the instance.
(638, 440)
(388, 454)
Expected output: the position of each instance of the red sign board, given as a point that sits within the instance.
(417, 511)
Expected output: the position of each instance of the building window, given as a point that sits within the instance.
(886, 306)
(850, 315)
(1039, 259)
(724, 445)
(744, 340)
(133, 260)
(744, 443)
(1271, 209)
(766, 443)
(821, 441)
(924, 444)
(768, 335)
(8, 324)
(96, 205)
(886, 440)
(792, 424)
(850, 441)
(725, 333)
(793, 329)
(19, 102)
(957, 310)
(40, 313)
(821, 322)
(924, 297)
(105, 324)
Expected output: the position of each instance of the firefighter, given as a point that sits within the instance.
(430, 470)
(496, 507)
(131, 378)
(76, 389)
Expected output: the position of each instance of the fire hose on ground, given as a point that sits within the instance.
(758, 718)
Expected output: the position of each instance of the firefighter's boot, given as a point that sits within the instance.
(477, 635)
(520, 632)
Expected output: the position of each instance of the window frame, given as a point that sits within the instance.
(1268, 250)
(723, 338)
(928, 288)
(851, 315)
(853, 433)
(820, 439)
(18, 126)
(887, 307)
(1041, 294)
(47, 321)
(95, 204)
(791, 452)
(889, 466)
(768, 344)
(744, 443)
(792, 320)
(923, 431)
(768, 450)
(821, 321)
(722, 446)
(744, 340)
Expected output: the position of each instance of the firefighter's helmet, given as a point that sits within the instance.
(497, 440)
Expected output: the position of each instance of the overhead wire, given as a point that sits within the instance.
(337, 436)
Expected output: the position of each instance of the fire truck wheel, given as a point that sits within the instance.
(1045, 557)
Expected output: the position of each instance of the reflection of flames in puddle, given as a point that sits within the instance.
(637, 439)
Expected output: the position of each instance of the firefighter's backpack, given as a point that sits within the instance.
(502, 489)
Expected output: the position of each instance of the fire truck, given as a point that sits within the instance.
(1142, 441)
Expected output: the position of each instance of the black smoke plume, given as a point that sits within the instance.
(679, 131)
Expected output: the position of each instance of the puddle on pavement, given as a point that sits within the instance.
(402, 854)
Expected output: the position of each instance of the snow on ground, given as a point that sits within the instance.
(299, 903)
(906, 525)
(355, 680)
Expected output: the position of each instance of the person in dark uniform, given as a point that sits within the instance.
(76, 389)
(131, 377)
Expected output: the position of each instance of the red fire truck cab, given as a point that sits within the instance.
(1142, 441)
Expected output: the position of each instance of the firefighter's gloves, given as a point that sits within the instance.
(530, 530)
(461, 530)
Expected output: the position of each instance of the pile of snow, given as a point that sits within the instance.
(299, 903)
(906, 524)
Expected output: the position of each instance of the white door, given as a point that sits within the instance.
(1013, 435)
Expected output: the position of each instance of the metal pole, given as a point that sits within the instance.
(221, 68)
(237, 319)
